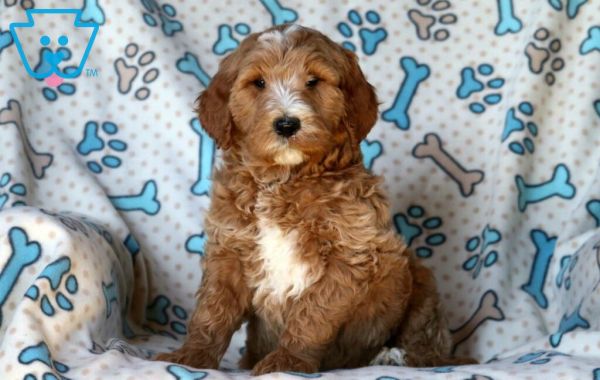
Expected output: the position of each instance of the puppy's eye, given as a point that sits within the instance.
(312, 82)
(259, 83)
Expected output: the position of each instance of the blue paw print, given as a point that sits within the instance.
(158, 312)
(370, 38)
(41, 353)
(182, 373)
(46, 57)
(195, 244)
(15, 190)
(411, 231)
(482, 258)
(470, 85)
(515, 124)
(55, 273)
(226, 42)
(371, 150)
(92, 142)
(165, 13)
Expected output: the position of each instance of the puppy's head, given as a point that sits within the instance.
(288, 96)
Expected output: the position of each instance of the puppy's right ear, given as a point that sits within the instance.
(212, 104)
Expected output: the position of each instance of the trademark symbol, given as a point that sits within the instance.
(92, 72)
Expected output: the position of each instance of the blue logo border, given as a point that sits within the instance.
(30, 23)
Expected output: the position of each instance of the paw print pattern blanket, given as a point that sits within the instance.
(488, 140)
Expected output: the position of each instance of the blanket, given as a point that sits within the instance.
(488, 141)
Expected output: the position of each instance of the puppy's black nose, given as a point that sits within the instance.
(286, 126)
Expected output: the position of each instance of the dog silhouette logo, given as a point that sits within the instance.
(49, 67)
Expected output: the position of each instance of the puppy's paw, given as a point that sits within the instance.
(196, 359)
(282, 360)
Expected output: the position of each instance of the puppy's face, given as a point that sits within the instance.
(288, 96)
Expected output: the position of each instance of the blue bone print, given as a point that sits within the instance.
(279, 14)
(558, 186)
(182, 373)
(23, 253)
(443, 369)
(41, 353)
(597, 374)
(92, 11)
(597, 107)
(415, 73)
(538, 357)
(593, 208)
(188, 64)
(544, 249)
(195, 244)
(572, 6)
(206, 159)
(507, 21)
(304, 375)
(567, 324)
(592, 42)
(145, 201)
(226, 42)
(39, 161)
(371, 150)
(132, 245)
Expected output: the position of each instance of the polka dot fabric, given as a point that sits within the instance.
(488, 140)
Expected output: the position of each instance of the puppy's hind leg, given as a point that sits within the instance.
(423, 334)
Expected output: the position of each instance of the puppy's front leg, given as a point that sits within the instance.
(314, 322)
(223, 300)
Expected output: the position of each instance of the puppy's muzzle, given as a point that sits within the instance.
(286, 126)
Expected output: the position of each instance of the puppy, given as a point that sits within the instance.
(300, 243)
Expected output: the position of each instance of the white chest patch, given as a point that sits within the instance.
(283, 272)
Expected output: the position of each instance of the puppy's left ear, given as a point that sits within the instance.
(361, 101)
